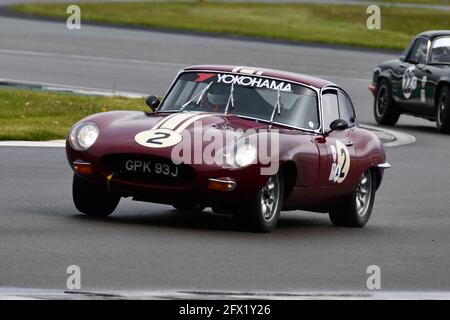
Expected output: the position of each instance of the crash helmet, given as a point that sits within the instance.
(218, 94)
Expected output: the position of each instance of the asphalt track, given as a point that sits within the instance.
(151, 247)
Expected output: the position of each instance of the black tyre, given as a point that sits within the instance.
(190, 208)
(384, 107)
(443, 110)
(262, 214)
(356, 209)
(91, 199)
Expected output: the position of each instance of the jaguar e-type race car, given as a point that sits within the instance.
(245, 141)
(417, 83)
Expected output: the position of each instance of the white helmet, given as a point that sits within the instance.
(217, 95)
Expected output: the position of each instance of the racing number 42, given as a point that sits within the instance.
(344, 162)
(341, 162)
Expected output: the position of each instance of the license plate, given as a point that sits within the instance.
(150, 167)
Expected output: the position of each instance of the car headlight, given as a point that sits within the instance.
(83, 135)
(237, 155)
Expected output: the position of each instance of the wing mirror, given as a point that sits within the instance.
(413, 61)
(153, 102)
(337, 125)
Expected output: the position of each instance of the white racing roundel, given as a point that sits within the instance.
(167, 132)
(158, 138)
(409, 82)
(341, 162)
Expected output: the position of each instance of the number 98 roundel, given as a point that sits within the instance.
(158, 138)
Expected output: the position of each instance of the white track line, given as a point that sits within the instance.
(8, 293)
(84, 57)
(41, 144)
(401, 138)
(136, 61)
(74, 89)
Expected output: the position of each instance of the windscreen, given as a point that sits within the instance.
(440, 50)
(247, 96)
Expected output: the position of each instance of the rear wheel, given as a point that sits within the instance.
(356, 209)
(443, 111)
(263, 212)
(91, 199)
(385, 110)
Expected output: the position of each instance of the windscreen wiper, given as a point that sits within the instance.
(230, 99)
(200, 96)
(277, 106)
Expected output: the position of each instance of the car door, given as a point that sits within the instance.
(414, 78)
(438, 58)
(340, 150)
(425, 102)
(397, 69)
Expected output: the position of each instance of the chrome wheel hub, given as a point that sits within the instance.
(363, 193)
(270, 198)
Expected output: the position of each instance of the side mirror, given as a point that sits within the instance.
(413, 61)
(338, 125)
(153, 102)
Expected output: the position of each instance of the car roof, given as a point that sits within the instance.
(271, 73)
(434, 33)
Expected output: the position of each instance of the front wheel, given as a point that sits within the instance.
(263, 212)
(384, 108)
(92, 200)
(356, 209)
(443, 108)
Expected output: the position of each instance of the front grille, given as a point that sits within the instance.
(148, 169)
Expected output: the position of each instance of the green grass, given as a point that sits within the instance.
(331, 24)
(437, 2)
(34, 115)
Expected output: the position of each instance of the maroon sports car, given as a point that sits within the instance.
(246, 141)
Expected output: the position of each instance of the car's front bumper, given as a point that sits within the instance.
(208, 185)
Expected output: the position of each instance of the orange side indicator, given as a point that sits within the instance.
(83, 167)
(373, 88)
(222, 184)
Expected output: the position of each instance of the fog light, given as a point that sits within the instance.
(83, 167)
(222, 184)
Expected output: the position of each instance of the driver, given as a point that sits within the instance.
(216, 98)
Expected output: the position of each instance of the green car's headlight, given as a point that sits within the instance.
(83, 135)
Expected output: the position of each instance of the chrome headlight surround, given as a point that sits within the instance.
(83, 135)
